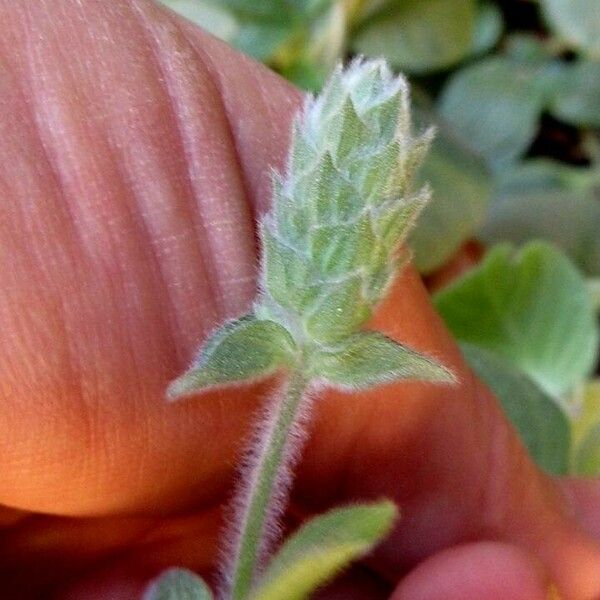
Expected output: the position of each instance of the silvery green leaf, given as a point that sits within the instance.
(577, 99)
(531, 307)
(210, 15)
(261, 39)
(541, 423)
(368, 358)
(242, 349)
(419, 35)
(543, 199)
(576, 22)
(461, 187)
(495, 105)
(178, 584)
(488, 28)
(321, 548)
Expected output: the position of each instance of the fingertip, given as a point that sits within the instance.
(491, 570)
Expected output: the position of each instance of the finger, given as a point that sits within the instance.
(126, 236)
(48, 555)
(492, 571)
(584, 501)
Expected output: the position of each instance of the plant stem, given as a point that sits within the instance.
(263, 500)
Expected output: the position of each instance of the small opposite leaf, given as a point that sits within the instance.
(178, 584)
(367, 359)
(246, 348)
(322, 547)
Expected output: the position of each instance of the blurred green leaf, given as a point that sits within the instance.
(532, 308)
(461, 187)
(211, 16)
(419, 35)
(495, 105)
(542, 425)
(551, 201)
(488, 28)
(577, 22)
(586, 432)
(321, 548)
(577, 98)
(178, 584)
(261, 39)
(594, 288)
(267, 10)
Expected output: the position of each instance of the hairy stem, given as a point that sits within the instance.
(268, 482)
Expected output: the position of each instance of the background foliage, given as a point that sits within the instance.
(513, 87)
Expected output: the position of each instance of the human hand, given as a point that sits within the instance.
(135, 156)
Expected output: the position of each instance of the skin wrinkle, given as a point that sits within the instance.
(236, 280)
(248, 143)
(98, 445)
(49, 283)
(214, 288)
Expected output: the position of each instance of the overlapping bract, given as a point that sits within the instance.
(343, 206)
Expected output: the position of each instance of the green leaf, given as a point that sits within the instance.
(261, 39)
(586, 462)
(322, 547)
(494, 105)
(178, 584)
(209, 15)
(531, 307)
(368, 358)
(420, 35)
(265, 9)
(586, 430)
(242, 349)
(577, 22)
(541, 423)
(577, 99)
(551, 201)
(488, 28)
(461, 186)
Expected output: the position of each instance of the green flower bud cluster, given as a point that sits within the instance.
(343, 206)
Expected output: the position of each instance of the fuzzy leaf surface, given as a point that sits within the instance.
(369, 358)
(541, 423)
(245, 348)
(178, 584)
(533, 308)
(322, 547)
